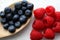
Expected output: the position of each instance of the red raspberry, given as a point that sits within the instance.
(54, 24)
(50, 11)
(57, 16)
(49, 34)
(35, 35)
(57, 27)
(39, 13)
(48, 21)
(38, 25)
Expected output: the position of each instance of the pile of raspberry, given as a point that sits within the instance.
(46, 23)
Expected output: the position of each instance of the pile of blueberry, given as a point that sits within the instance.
(14, 18)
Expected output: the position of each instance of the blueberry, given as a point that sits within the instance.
(9, 16)
(24, 8)
(18, 6)
(3, 20)
(5, 26)
(11, 29)
(28, 13)
(15, 17)
(23, 19)
(11, 23)
(17, 24)
(20, 12)
(30, 6)
(7, 10)
(14, 12)
(2, 14)
(24, 3)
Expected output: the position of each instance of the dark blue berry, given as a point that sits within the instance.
(5, 26)
(3, 20)
(20, 12)
(2, 14)
(11, 23)
(24, 8)
(9, 16)
(14, 12)
(17, 24)
(7, 10)
(18, 6)
(30, 6)
(15, 17)
(24, 3)
(11, 29)
(28, 13)
(23, 19)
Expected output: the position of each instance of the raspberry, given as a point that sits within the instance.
(54, 24)
(38, 25)
(35, 35)
(48, 21)
(49, 34)
(50, 11)
(57, 27)
(39, 13)
(57, 16)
